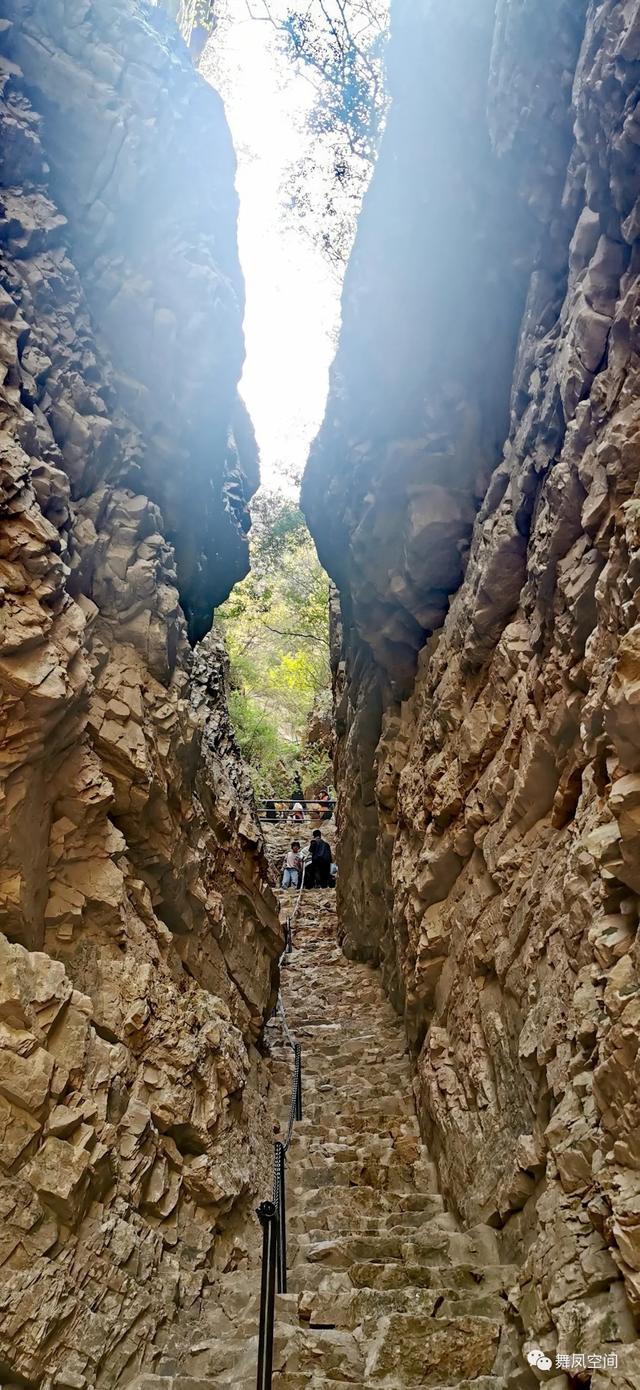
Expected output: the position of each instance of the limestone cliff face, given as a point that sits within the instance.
(137, 960)
(475, 493)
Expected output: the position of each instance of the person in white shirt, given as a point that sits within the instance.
(292, 866)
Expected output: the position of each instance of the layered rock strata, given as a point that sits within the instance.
(140, 937)
(383, 1288)
(474, 491)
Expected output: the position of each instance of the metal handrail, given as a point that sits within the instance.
(282, 806)
(294, 800)
(273, 1215)
(266, 1213)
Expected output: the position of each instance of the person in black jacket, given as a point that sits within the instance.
(320, 875)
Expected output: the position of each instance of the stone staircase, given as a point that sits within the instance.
(384, 1288)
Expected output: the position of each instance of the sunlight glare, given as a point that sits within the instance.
(292, 296)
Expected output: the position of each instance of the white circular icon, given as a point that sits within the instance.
(536, 1357)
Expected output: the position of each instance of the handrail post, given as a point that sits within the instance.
(298, 1052)
(281, 1209)
(266, 1214)
(289, 937)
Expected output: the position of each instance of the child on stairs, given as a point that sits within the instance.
(292, 866)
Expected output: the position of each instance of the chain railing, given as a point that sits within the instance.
(272, 1215)
(279, 809)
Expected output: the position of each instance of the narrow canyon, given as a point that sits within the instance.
(468, 1000)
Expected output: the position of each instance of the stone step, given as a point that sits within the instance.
(436, 1236)
(370, 1173)
(350, 1309)
(363, 1084)
(385, 1290)
(352, 1038)
(413, 1347)
(314, 1138)
(358, 1086)
(314, 1381)
(420, 1350)
(374, 1274)
(297, 1349)
(351, 1022)
(350, 1048)
(447, 1278)
(406, 1146)
(384, 1224)
(353, 1018)
(381, 1152)
(360, 1063)
(340, 1252)
(338, 1069)
(331, 1108)
(362, 1199)
(338, 1128)
(344, 1310)
(324, 1114)
(329, 1031)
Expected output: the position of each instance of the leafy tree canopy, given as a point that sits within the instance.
(275, 627)
(339, 45)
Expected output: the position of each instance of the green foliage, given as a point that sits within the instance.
(339, 46)
(273, 761)
(191, 14)
(260, 745)
(275, 627)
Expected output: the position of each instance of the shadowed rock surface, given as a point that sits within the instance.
(138, 957)
(474, 493)
(384, 1288)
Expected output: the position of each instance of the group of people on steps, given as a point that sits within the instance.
(298, 807)
(316, 864)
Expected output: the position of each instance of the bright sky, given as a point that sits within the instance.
(292, 296)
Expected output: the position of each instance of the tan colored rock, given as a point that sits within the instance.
(140, 937)
(486, 690)
(26, 1080)
(428, 1353)
(59, 1176)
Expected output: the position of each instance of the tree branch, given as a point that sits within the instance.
(304, 636)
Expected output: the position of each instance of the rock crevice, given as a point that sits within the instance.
(485, 549)
(140, 935)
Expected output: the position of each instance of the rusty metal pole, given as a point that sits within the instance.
(267, 1217)
(281, 1208)
(298, 1052)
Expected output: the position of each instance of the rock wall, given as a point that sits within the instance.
(474, 491)
(140, 936)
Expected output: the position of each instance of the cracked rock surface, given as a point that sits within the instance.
(384, 1287)
(137, 960)
(474, 491)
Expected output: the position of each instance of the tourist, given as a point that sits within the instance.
(325, 804)
(297, 813)
(292, 866)
(321, 859)
(270, 811)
